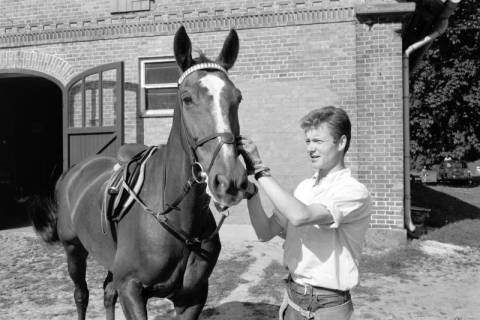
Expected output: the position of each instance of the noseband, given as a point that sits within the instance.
(199, 174)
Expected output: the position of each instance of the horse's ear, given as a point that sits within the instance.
(229, 52)
(182, 47)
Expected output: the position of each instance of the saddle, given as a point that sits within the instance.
(129, 170)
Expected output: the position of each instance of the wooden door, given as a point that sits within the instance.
(93, 113)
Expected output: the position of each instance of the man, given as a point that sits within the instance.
(323, 223)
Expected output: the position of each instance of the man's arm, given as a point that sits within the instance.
(292, 209)
(265, 227)
(297, 213)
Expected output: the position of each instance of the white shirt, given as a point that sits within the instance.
(327, 255)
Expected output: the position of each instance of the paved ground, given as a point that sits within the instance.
(246, 283)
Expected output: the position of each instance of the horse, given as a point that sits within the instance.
(166, 243)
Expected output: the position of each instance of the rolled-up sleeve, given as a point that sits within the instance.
(348, 204)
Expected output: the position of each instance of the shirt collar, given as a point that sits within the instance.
(330, 177)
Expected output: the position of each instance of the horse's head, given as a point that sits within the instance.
(209, 110)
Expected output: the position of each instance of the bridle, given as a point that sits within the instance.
(198, 176)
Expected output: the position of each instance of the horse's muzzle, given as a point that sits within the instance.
(228, 190)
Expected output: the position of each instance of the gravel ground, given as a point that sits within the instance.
(246, 284)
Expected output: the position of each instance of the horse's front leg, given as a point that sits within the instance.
(109, 296)
(189, 306)
(133, 299)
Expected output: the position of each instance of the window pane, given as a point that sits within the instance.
(157, 99)
(109, 80)
(75, 105)
(92, 116)
(161, 72)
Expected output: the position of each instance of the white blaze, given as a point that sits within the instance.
(215, 85)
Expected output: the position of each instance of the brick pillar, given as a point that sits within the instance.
(380, 119)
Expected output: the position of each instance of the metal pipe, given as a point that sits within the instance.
(439, 29)
(406, 145)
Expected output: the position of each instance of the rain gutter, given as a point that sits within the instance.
(440, 28)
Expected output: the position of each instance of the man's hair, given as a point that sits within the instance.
(336, 119)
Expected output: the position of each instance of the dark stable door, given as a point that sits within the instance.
(93, 114)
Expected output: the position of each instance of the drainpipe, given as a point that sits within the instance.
(439, 29)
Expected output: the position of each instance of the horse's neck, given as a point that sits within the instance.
(177, 170)
(178, 166)
(177, 160)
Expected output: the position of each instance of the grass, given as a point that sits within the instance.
(449, 203)
(455, 215)
(462, 233)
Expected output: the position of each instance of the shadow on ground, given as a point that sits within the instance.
(241, 311)
(445, 208)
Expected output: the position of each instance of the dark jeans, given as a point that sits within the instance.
(328, 305)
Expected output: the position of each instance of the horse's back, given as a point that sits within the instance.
(83, 175)
(79, 195)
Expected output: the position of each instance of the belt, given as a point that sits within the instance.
(313, 290)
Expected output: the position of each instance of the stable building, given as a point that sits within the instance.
(83, 77)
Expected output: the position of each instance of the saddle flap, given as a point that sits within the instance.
(131, 172)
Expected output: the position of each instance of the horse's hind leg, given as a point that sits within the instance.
(110, 296)
(77, 266)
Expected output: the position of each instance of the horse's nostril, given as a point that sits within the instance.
(243, 184)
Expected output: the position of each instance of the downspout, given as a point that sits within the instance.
(439, 29)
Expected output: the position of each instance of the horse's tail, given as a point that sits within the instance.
(42, 212)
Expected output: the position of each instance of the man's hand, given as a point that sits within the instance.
(250, 154)
(252, 190)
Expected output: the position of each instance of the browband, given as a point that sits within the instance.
(200, 66)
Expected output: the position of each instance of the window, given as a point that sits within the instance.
(158, 86)
(120, 6)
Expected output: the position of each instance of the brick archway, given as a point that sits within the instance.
(31, 62)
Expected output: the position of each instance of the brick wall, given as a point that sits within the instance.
(283, 72)
(33, 12)
(379, 116)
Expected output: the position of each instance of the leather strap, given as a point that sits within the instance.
(200, 66)
(312, 290)
(305, 313)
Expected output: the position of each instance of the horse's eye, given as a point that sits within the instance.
(187, 100)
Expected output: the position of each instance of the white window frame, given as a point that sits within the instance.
(125, 6)
(153, 113)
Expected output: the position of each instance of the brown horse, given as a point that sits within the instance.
(165, 245)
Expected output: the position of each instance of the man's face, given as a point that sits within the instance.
(322, 150)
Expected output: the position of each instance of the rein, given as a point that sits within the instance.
(198, 176)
